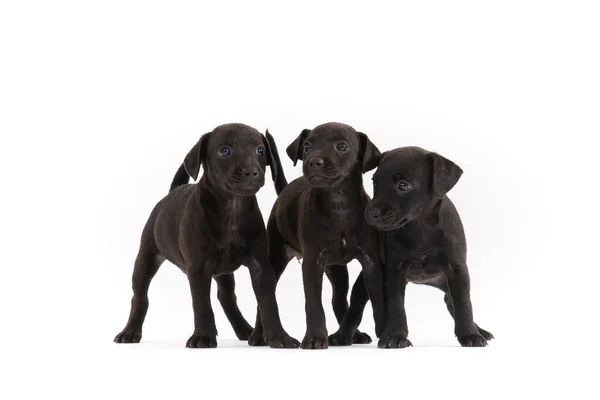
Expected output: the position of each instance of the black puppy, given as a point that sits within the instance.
(209, 229)
(319, 217)
(423, 239)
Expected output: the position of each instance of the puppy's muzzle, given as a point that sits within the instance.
(320, 173)
(382, 217)
(247, 180)
(316, 164)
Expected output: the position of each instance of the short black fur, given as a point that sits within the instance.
(423, 240)
(319, 217)
(208, 230)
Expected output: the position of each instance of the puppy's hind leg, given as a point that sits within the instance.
(338, 276)
(448, 300)
(279, 259)
(459, 287)
(442, 284)
(146, 265)
(228, 300)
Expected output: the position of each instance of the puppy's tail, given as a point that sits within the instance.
(181, 178)
(280, 181)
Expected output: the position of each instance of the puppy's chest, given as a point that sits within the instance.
(226, 260)
(417, 253)
(414, 246)
(233, 247)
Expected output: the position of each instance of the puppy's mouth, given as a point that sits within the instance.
(245, 190)
(389, 223)
(322, 181)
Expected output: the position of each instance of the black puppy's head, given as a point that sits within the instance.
(332, 151)
(406, 184)
(234, 158)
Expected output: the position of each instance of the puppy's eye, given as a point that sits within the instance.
(307, 147)
(224, 151)
(342, 146)
(260, 151)
(404, 186)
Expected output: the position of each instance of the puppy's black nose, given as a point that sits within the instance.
(316, 162)
(250, 172)
(373, 214)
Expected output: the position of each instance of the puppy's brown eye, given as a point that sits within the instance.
(260, 151)
(342, 146)
(404, 186)
(224, 151)
(307, 147)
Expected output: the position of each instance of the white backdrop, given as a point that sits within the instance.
(100, 102)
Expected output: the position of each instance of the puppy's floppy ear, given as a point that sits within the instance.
(445, 174)
(295, 150)
(195, 157)
(368, 153)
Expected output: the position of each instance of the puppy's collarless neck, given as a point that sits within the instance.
(349, 187)
(427, 220)
(221, 196)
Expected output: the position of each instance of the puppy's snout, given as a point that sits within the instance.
(250, 172)
(375, 214)
(316, 162)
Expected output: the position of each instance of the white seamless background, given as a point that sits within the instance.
(100, 102)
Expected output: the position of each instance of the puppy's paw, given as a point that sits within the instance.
(283, 342)
(475, 340)
(314, 342)
(340, 339)
(201, 342)
(257, 339)
(245, 332)
(361, 338)
(129, 336)
(393, 342)
(487, 335)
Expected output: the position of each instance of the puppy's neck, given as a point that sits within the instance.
(349, 188)
(220, 197)
(430, 216)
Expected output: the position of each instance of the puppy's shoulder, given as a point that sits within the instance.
(176, 197)
(294, 189)
(449, 218)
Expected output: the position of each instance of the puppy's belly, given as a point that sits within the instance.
(341, 255)
(224, 262)
(418, 274)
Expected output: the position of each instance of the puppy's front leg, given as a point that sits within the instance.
(205, 330)
(263, 282)
(395, 335)
(373, 275)
(313, 268)
(459, 285)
